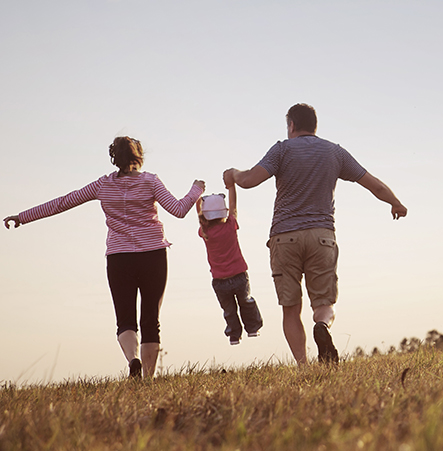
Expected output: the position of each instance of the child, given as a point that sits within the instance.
(228, 267)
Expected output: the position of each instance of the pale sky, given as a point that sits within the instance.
(205, 85)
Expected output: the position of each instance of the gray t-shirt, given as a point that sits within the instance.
(306, 170)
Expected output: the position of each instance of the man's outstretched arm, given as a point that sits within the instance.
(245, 179)
(384, 193)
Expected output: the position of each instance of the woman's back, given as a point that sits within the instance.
(130, 206)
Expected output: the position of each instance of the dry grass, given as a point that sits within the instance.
(366, 403)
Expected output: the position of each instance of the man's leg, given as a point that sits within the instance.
(323, 317)
(295, 332)
(324, 314)
(321, 283)
(286, 251)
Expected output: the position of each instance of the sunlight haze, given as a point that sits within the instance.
(205, 86)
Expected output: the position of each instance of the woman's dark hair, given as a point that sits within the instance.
(125, 151)
(303, 117)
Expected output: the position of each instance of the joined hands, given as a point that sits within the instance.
(228, 178)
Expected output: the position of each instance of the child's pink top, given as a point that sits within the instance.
(130, 207)
(224, 254)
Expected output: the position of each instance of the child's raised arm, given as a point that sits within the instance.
(198, 205)
(233, 201)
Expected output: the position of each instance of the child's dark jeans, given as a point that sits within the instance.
(236, 291)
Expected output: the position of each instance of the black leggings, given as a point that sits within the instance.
(128, 273)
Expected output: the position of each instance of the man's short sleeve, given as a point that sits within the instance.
(271, 161)
(351, 169)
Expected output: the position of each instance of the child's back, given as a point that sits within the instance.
(223, 249)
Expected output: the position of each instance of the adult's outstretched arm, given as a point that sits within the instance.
(384, 193)
(245, 179)
(14, 218)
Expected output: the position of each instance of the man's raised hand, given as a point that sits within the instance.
(228, 178)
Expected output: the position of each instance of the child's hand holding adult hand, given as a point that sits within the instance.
(228, 178)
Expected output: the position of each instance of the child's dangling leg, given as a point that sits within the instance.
(249, 312)
(223, 290)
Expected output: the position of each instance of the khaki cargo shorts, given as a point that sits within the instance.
(312, 252)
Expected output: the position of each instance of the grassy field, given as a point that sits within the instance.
(382, 402)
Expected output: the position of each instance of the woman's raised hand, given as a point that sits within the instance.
(200, 183)
(12, 218)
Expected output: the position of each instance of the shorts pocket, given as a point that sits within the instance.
(282, 239)
(327, 242)
(282, 248)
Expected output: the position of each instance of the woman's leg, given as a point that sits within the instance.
(149, 358)
(123, 285)
(152, 275)
(129, 343)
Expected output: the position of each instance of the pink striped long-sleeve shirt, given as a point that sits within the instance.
(130, 207)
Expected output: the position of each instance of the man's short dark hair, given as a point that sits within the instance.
(303, 117)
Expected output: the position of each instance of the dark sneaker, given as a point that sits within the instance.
(326, 349)
(135, 369)
(234, 341)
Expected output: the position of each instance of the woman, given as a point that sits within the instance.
(135, 245)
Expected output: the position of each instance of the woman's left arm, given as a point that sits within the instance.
(178, 207)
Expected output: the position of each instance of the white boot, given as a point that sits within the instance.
(129, 343)
(149, 353)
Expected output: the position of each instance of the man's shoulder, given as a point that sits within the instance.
(308, 140)
(328, 143)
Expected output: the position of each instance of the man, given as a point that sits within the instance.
(302, 237)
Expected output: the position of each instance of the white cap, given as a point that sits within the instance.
(214, 206)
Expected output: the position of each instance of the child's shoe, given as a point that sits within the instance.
(254, 334)
(234, 341)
